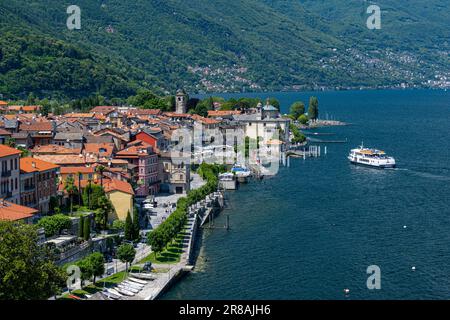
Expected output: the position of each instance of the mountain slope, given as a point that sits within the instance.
(215, 45)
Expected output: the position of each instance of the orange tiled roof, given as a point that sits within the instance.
(79, 115)
(6, 151)
(177, 115)
(103, 109)
(145, 112)
(222, 113)
(14, 212)
(55, 149)
(75, 170)
(62, 159)
(3, 103)
(24, 108)
(36, 165)
(135, 150)
(96, 147)
(118, 185)
(36, 126)
(204, 120)
(99, 116)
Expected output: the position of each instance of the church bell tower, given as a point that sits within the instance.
(181, 101)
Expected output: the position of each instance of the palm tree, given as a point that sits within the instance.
(100, 169)
(71, 189)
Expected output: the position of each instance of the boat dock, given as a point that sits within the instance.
(306, 152)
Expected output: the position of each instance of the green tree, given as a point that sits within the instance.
(98, 264)
(126, 254)
(274, 102)
(105, 208)
(92, 195)
(118, 225)
(81, 227)
(53, 225)
(155, 240)
(136, 224)
(87, 228)
(129, 227)
(313, 109)
(10, 142)
(297, 109)
(303, 119)
(53, 204)
(71, 189)
(27, 270)
(86, 268)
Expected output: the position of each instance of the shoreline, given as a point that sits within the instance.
(198, 215)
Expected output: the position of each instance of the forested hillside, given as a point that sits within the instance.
(219, 45)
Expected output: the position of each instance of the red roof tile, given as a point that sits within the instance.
(14, 212)
(118, 185)
(6, 151)
(36, 165)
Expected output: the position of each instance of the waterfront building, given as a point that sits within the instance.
(264, 123)
(10, 174)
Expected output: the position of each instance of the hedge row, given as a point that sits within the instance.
(167, 231)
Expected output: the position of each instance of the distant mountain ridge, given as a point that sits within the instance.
(219, 45)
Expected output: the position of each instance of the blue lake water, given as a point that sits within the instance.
(313, 229)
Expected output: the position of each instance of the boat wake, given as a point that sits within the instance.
(422, 174)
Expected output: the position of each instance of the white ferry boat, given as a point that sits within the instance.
(371, 157)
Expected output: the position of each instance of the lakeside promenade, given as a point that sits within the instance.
(198, 214)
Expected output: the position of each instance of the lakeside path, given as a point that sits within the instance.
(162, 279)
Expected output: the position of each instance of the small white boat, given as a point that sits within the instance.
(371, 157)
(110, 295)
(143, 276)
(134, 285)
(138, 281)
(128, 288)
(124, 291)
(240, 171)
(114, 292)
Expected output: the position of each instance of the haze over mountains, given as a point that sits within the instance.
(220, 45)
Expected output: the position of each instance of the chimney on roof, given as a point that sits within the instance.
(33, 164)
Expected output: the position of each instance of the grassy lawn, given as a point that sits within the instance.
(92, 289)
(136, 269)
(170, 255)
